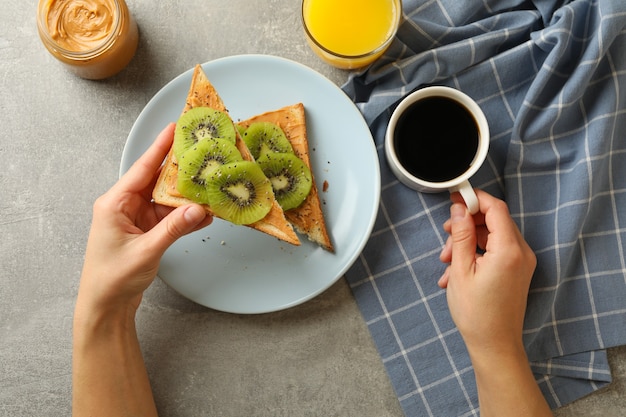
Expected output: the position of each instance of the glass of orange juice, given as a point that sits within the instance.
(350, 34)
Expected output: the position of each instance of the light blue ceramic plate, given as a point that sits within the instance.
(240, 270)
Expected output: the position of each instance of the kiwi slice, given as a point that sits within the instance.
(241, 129)
(264, 137)
(290, 177)
(199, 123)
(196, 164)
(239, 192)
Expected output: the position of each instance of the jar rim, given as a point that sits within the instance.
(86, 54)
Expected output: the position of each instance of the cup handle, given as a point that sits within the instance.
(468, 194)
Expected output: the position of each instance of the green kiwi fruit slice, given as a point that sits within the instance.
(264, 137)
(290, 177)
(198, 123)
(239, 192)
(241, 129)
(196, 164)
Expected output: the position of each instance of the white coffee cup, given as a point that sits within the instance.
(437, 138)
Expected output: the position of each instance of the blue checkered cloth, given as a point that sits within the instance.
(551, 78)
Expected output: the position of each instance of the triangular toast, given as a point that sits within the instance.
(307, 218)
(203, 93)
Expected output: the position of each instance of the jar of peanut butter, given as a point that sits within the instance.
(95, 39)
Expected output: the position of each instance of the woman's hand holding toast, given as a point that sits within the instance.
(128, 236)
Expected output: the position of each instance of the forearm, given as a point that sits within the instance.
(109, 375)
(506, 385)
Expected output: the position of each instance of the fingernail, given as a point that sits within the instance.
(457, 211)
(443, 280)
(194, 214)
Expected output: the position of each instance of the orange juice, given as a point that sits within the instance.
(350, 33)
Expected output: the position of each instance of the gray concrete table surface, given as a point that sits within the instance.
(61, 144)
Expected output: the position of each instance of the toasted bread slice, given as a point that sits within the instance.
(307, 218)
(203, 93)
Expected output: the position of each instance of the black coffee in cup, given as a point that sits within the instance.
(436, 139)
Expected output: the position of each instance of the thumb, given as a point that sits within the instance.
(178, 223)
(463, 233)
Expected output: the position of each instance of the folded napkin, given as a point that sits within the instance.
(551, 78)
